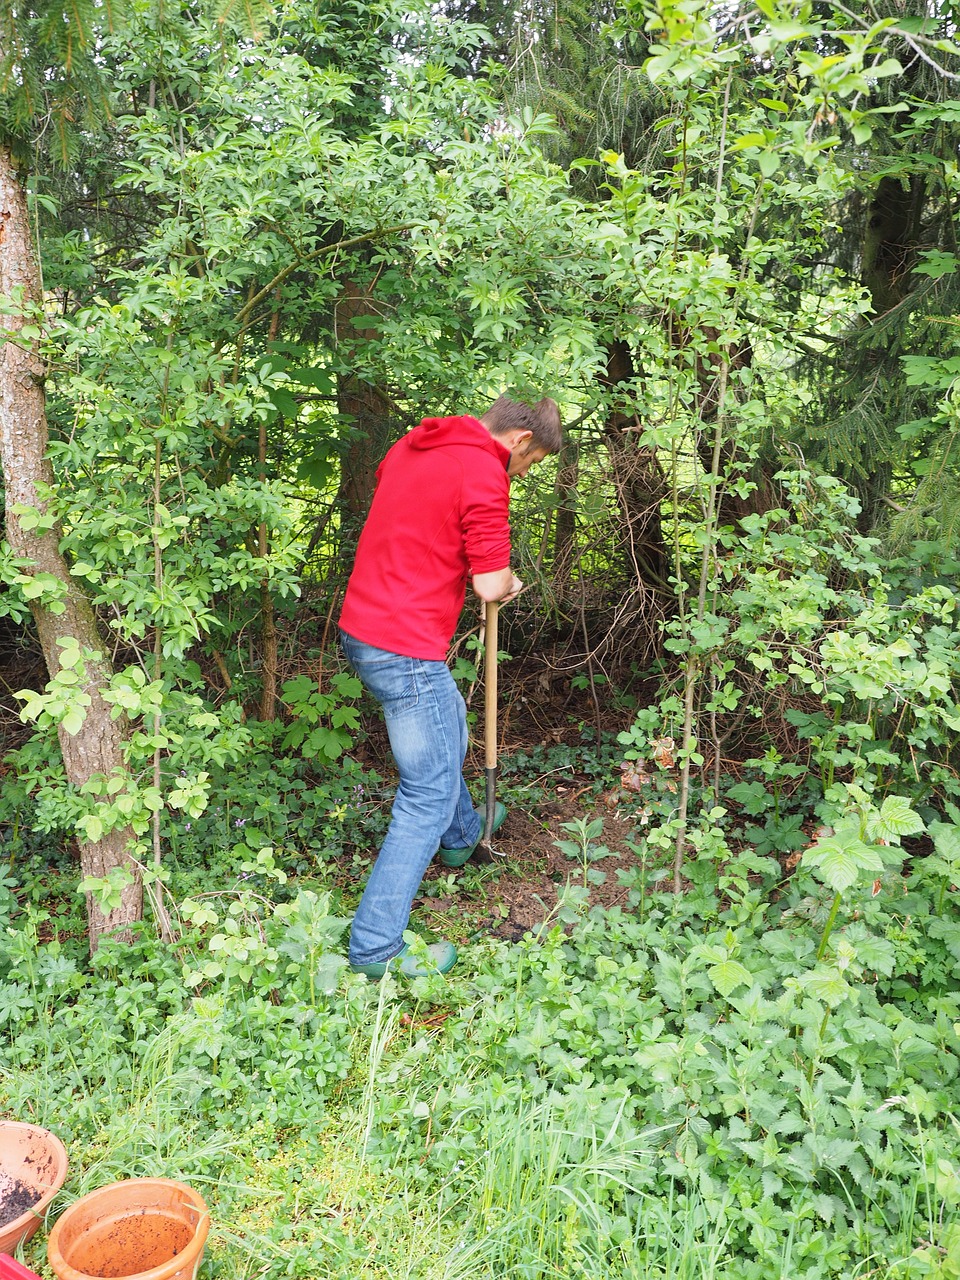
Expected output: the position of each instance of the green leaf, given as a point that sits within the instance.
(284, 403)
(748, 140)
(947, 112)
(917, 25)
(896, 818)
(753, 797)
(935, 264)
(70, 647)
(768, 163)
(321, 379)
(91, 827)
(828, 984)
(346, 685)
(73, 721)
(946, 840)
(928, 371)
(876, 953)
(786, 30)
(728, 975)
(837, 867)
(299, 689)
(316, 471)
(839, 862)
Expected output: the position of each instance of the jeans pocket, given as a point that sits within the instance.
(393, 685)
(390, 677)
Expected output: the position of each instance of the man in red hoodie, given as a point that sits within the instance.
(440, 516)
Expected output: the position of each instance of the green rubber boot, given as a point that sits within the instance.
(457, 857)
(442, 954)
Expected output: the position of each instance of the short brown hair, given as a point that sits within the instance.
(542, 419)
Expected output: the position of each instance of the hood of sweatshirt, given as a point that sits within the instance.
(435, 433)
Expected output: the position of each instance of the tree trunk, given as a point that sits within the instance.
(368, 411)
(97, 746)
(890, 241)
(640, 485)
(732, 507)
(565, 525)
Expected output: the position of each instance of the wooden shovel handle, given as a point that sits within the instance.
(490, 684)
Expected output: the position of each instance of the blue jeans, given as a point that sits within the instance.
(427, 722)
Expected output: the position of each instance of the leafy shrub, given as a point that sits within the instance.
(809, 642)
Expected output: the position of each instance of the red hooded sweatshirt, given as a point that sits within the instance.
(439, 514)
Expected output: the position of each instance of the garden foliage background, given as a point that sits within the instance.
(244, 249)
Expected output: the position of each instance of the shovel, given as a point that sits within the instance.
(490, 717)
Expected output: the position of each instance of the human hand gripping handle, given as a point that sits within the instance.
(501, 585)
(516, 586)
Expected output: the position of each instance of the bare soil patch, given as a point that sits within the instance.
(519, 890)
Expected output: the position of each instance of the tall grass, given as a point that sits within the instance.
(553, 1195)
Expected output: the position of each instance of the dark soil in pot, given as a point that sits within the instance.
(15, 1198)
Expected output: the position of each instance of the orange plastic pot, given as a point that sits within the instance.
(37, 1159)
(143, 1229)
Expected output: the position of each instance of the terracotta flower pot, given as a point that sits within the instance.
(143, 1229)
(32, 1161)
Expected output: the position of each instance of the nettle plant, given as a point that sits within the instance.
(866, 677)
(864, 845)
